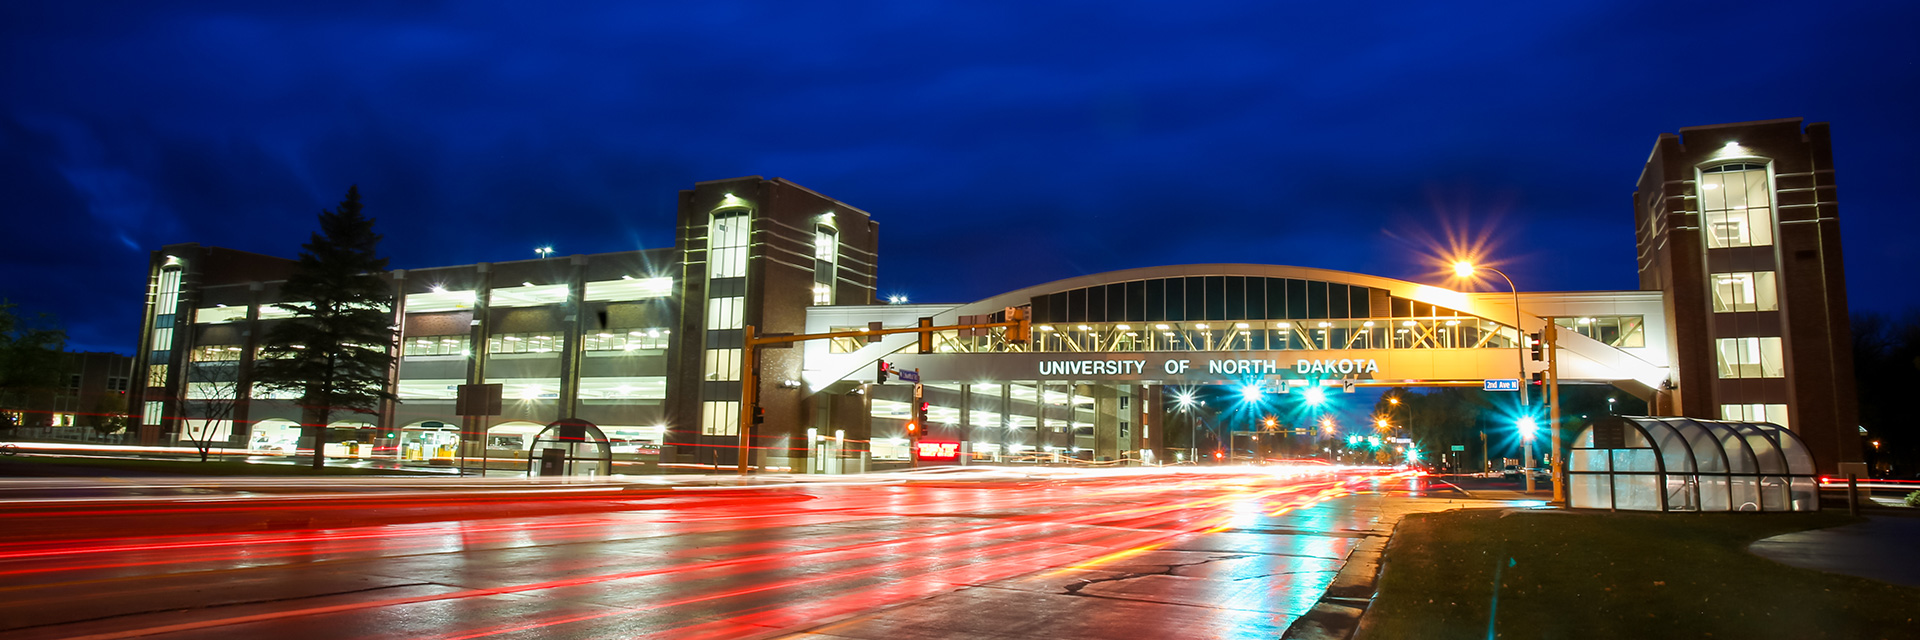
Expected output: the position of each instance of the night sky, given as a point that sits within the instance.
(999, 145)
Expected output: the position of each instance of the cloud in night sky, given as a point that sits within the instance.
(999, 146)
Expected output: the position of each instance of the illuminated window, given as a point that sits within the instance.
(1624, 332)
(826, 256)
(720, 418)
(726, 313)
(1774, 413)
(1736, 206)
(845, 345)
(1745, 291)
(502, 343)
(216, 353)
(723, 364)
(727, 238)
(654, 339)
(1750, 358)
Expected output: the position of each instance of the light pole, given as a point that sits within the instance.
(1465, 269)
(1527, 426)
(544, 251)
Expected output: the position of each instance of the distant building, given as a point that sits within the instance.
(1741, 314)
(91, 390)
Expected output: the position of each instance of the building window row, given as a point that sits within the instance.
(1750, 358)
(1622, 332)
(525, 343)
(217, 353)
(1745, 291)
(1774, 413)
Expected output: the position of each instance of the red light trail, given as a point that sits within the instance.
(672, 562)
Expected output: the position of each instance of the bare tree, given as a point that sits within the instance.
(212, 392)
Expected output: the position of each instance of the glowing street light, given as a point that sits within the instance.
(544, 252)
(1316, 395)
(1184, 399)
(1466, 269)
(1527, 427)
(1251, 393)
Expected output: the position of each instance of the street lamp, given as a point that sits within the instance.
(544, 251)
(1465, 269)
(1610, 405)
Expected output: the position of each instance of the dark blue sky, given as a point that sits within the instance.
(998, 145)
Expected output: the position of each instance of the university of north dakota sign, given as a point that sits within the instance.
(1212, 366)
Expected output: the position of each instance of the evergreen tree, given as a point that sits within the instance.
(30, 352)
(336, 349)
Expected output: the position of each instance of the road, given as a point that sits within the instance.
(979, 554)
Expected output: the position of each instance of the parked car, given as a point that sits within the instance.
(1512, 472)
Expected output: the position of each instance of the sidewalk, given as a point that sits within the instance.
(1882, 548)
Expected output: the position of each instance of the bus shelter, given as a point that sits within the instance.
(1687, 464)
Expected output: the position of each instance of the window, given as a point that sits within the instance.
(723, 364)
(848, 344)
(1750, 358)
(216, 353)
(517, 343)
(1623, 332)
(1736, 206)
(720, 418)
(1745, 291)
(826, 256)
(727, 237)
(1774, 413)
(726, 313)
(454, 345)
(633, 340)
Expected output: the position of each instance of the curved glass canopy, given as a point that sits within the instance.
(1685, 464)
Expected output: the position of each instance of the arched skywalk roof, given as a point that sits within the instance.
(1235, 308)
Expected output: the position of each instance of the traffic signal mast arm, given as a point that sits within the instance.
(749, 357)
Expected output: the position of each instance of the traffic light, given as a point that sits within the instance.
(884, 369)
(1537, 346)
(926, 336)
(913, 429)
(1022, 330)
(759, 415)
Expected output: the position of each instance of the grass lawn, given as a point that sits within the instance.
(1600, 575)
(28, 466)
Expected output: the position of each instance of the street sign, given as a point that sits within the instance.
(1501, 384)
(1459, 447)
(910, 375)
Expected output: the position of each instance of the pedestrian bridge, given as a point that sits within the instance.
(1273, 325)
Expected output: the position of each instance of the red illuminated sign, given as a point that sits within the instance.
(930, 450)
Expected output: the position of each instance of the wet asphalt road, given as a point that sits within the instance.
(1223, 555)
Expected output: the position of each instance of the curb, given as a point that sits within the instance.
(1338, 614)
